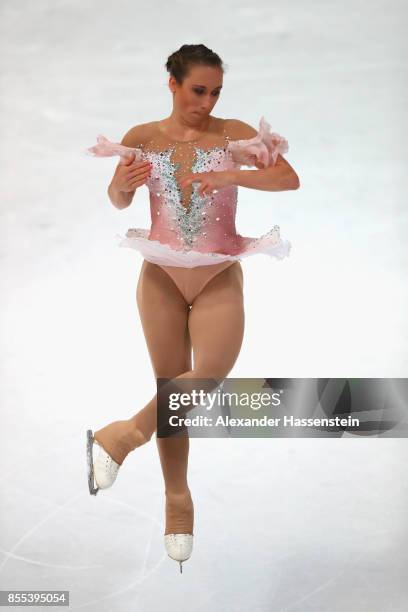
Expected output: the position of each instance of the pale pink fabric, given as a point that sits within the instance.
(106, 148)
(264, 147)
(206, 234)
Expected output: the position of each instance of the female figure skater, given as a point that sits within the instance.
(190, 288)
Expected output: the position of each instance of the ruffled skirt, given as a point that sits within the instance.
(157, 252)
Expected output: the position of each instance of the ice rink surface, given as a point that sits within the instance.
(288, 525)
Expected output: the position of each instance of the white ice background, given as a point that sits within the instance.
(288, 525)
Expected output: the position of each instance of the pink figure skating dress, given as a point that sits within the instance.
(187, 229)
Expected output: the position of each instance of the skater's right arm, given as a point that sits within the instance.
(129, 174)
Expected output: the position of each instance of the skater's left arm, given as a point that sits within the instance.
(279, 177)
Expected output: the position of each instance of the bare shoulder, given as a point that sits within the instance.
(138, 135)
(239, 130)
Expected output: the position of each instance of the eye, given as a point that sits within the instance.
(200, 91)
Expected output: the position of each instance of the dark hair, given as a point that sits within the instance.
(179, 62)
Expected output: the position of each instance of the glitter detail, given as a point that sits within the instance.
(189, 217)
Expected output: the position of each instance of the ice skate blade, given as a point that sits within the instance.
(92, 486)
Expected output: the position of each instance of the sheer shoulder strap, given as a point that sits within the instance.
(262, 148)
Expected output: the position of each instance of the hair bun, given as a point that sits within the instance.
(179, 62)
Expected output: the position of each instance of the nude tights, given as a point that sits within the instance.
(193, 323)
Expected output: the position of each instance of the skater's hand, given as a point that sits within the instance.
(210, 181)
(130, 174)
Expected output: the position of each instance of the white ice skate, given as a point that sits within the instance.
(179, 546)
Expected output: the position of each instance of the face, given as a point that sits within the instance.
(197, 95)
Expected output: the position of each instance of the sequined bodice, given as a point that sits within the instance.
(173, 163)
(183, 216)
